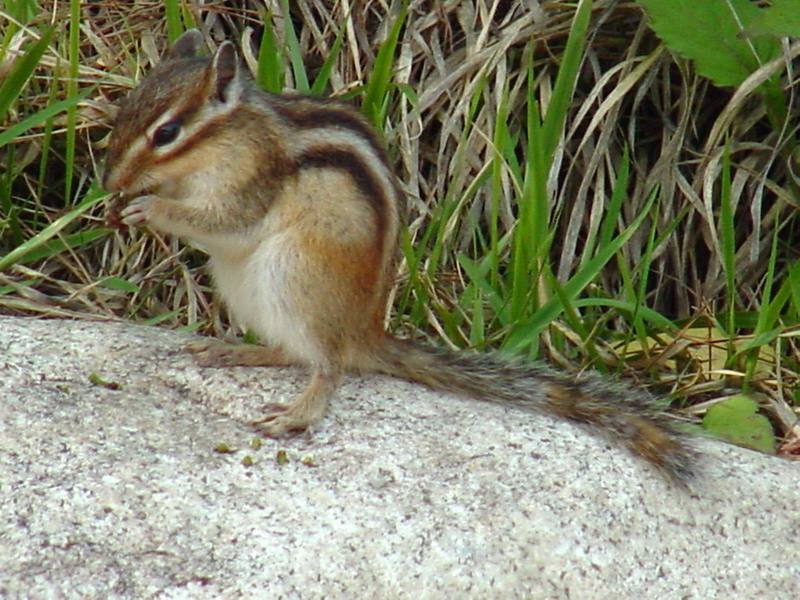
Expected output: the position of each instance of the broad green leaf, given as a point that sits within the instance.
(781, 19)
(737, 421)
(711, 33)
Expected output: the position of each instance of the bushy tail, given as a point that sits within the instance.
(623, 413)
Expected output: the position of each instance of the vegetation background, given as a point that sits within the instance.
(608, 184)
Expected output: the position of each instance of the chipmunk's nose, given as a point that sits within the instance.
(108, 181)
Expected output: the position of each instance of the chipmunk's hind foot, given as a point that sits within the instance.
(307, 409)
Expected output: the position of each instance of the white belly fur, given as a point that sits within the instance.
(255, 287)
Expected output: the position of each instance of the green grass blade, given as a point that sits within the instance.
(15, 81)
(20, 10)
(161, 318)
(172, 12)
(525, 335)
(529, 246)
(727, 239)
(643, 269)
(324, 75)
(376, 90)
(295, 53)
(10, 134)
(618, 195)
(477, 330)
(571, 315)
(498, 164)
(270, 74)
(188, 18)
(18, 254)
(119, 284)
(71, 240)
(477, 276)
(9, 212)
(413, 255)
(46, 143)
(553, 123)
(658, 321)
(766, 318)
(72, 91)
(793, 281)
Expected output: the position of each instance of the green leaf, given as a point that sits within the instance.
(782, 19)
(478, 279)
(737, 421)
(119, 284)
(711, 33)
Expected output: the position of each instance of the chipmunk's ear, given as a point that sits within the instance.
(186, 46)
(225, 73)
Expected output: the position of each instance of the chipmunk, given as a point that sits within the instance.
(295, 203)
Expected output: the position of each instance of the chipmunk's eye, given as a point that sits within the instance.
(166, 133)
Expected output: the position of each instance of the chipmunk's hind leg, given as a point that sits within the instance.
(214, 353)
(305, 410)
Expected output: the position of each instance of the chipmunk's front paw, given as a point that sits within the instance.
(139, 211)
(211, 353)
(214, 353)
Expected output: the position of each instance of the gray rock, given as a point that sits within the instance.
(400, 493)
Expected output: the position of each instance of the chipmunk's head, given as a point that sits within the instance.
(166, 127)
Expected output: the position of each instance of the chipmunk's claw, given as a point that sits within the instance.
(281, 422)
(139, 211)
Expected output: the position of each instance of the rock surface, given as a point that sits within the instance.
(400, 493)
